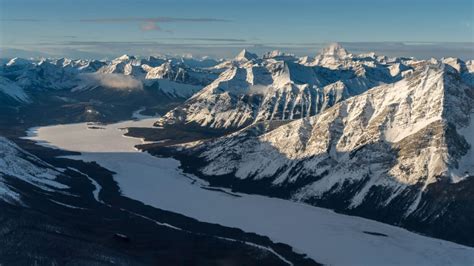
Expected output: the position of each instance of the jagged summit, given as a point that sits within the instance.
(274, 53)
(245, 55)
(273, 89)
(456, 63)
(334, 49)
(125, 57)
(332, 55)
(18, 61)
(279, 55)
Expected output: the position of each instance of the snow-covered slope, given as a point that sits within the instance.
(279, 55)
(9, 89)
(175, 81)
(384, 148)
(174, 89)
(18, 165)
(46, 75)
(153, 69)
(179, 73)
(125, 64)
(389, 114)
(277, 87)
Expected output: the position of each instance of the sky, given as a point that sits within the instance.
(221, 28)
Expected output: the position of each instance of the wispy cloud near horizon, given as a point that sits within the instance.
(145, 23)
(228, 48)
(23, 19)
(151, 26)
(152, 19)
(152, 23)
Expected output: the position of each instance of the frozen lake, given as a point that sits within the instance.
(327, 237)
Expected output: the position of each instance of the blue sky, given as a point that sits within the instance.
(220, 28)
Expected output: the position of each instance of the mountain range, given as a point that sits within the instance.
(386, 138)
(390, 139)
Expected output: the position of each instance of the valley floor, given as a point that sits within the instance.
(323, 235)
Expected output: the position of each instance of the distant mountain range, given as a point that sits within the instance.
(94, 90)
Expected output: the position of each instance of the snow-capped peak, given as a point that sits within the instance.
(456, 63)
(245, 55)
(18, 61)
(273, 53)
(332, 55)
(124, 57)
(335, 50)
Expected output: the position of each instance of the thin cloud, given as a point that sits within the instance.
(22, 19)
(216, 49)
(145, 23)
(150, 26)
(208, 39)
(210, 42)
(59, 36)
(152, 23)
(112, 81)
(152, 19)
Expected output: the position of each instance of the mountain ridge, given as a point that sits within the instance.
(261, 89)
